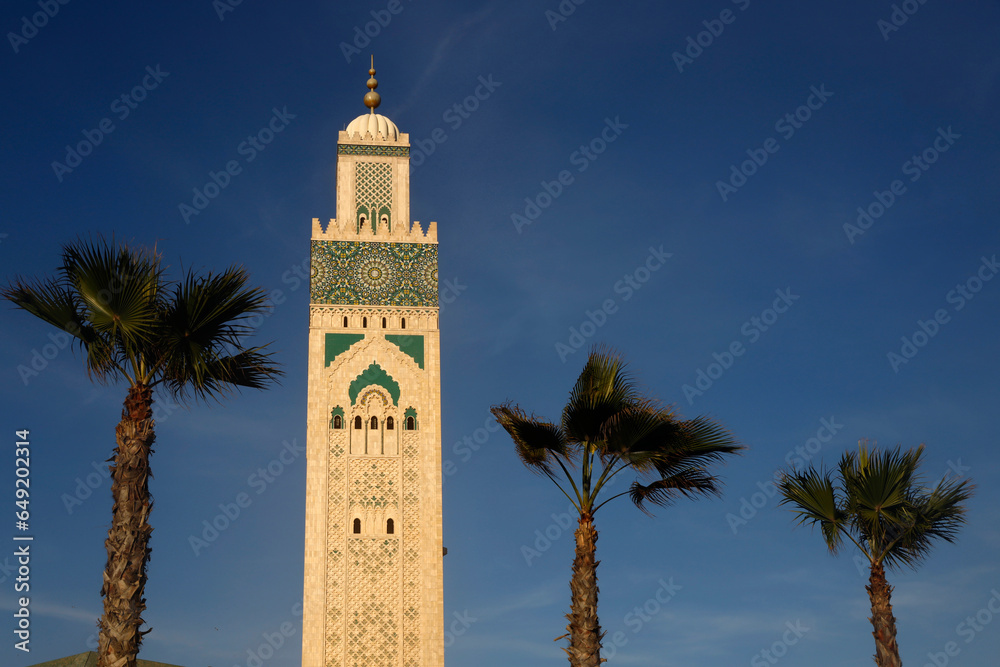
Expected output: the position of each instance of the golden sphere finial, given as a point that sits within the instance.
(372, 99)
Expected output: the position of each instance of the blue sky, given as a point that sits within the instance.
(600, 189)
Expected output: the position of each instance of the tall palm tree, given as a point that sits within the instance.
(134, 325)
(608, 427)
(880, 505)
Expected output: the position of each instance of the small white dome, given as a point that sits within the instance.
(379, 127)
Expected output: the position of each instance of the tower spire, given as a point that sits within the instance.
(372, 99)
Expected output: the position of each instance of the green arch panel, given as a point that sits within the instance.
(374, 375)
(409, 344)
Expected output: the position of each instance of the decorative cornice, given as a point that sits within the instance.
(348, 231)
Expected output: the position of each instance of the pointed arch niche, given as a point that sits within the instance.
(374, 408)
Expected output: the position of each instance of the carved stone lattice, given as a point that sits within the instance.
(373, 625)
(411, 555)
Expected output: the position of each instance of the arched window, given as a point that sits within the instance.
(383, 323)
(357, 526)
(409, 423)
(338, 421)
(345, 321)
(389, 423)
(390, 527)
(357, 423)
(364, 322)
(374, 425)
(402, 323)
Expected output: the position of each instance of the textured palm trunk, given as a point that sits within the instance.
(880, 592)
(128, 539)
(584, 628)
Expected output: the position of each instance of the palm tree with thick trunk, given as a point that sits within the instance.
(879, 503)
(133, 325)
(609, 427)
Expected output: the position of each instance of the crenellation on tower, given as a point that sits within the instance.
(411, 232)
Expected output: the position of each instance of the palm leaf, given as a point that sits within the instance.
(538, 443)
(812, 495)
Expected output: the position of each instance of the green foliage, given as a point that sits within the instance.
(608, 427)
(133, 324)
(879, 503)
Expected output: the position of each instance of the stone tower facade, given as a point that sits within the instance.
(373, 555)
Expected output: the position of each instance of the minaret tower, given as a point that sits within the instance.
(373, 554)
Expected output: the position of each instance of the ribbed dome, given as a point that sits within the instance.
(379, 127)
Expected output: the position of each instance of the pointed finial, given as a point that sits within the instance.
(372, 99)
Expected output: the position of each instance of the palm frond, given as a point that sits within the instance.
(812, 495)
(603, 389)
(200, 342)
(118, 288)
(937, 514)
(689, 483)
(539, 444)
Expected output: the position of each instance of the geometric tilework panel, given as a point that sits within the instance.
(361, 149)
(378, 274)
(373, 190)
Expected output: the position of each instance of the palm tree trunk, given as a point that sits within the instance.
(128, 539)
(584, 628)
(880, 592)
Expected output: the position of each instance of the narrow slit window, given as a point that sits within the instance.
(357, 526)
(345, 321)
(383, 323)
(409, 423)
(364, 322)
(390, 527)
(402, 323)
